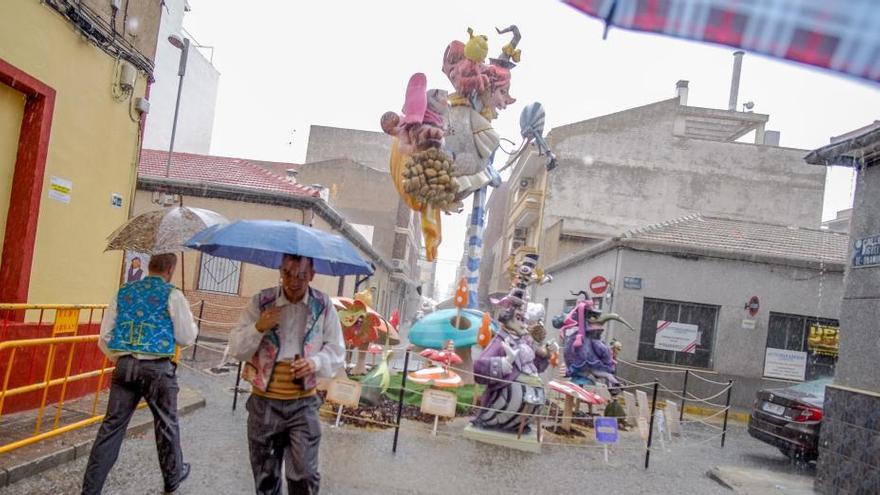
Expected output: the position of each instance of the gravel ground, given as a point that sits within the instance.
(355, 460)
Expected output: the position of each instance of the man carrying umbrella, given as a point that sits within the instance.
(287, 337)
(139, 332)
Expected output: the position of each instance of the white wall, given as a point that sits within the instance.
(195, 122)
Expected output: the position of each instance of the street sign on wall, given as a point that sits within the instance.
(866, 252)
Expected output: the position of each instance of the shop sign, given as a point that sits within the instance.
(824, 340)
(785, 364)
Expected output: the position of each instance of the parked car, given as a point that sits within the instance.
(789, 418)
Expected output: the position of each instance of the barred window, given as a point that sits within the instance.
(704, 316)
(219, 274)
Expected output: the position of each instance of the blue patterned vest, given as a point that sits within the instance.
(143, 323)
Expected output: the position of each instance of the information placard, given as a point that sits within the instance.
(344, 392)
(785, 364)
(439, 403)
(606, 430)
(678, 337)
(643, 428)
(66, 322)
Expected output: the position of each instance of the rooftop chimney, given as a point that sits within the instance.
(290, 174)
(734, 81)
(681, 89)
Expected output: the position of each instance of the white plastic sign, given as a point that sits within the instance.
(678, 337)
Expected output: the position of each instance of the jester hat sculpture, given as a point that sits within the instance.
(510, 365)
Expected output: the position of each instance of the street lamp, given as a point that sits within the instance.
(181, 44)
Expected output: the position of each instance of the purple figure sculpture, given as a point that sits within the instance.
(588, 359)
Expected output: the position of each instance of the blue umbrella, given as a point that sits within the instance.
(264, 243)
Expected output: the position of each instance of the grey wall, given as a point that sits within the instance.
(860, 319)
(363, 195)
(738, 354)
(627, 169)
(372, 149)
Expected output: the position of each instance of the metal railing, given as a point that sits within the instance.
(66, 324)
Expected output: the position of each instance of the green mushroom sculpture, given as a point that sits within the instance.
(461, 327)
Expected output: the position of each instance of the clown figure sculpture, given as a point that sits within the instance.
(510, 365)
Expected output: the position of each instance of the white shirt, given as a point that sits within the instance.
(245, 338)
(185, 329)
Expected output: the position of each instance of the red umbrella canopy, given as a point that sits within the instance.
(362, 324)
(833, 34)
(446, 357)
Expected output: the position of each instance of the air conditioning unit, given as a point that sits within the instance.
(398, 265)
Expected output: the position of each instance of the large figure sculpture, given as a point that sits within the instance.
(510, 365)
(444, 144)
(589, 360)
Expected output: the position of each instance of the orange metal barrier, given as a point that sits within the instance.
(47, 383)
(48, 354)
(33, 321)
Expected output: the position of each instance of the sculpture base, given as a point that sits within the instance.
(528, 442)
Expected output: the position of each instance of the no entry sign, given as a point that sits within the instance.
(598, 284)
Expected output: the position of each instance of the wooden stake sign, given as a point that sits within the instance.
(439, 403)
(672, 418)
(643, 404)
(344, 392)
(629, 404)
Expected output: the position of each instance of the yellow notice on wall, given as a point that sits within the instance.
(66, 322)
(59, 189)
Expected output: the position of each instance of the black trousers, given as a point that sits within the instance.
(288, 431)
(156, 382)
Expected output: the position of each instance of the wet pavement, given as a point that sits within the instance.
(359, 461)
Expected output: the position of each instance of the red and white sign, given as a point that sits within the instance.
(678, 337)
(598, 284)
(753, 305)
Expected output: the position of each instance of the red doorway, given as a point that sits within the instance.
(30, 164)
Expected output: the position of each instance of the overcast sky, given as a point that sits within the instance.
(286, 65)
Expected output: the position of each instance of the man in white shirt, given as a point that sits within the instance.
(287, 337)
(139, 332)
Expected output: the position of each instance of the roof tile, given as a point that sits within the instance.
(240, 172)
(748, 237)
